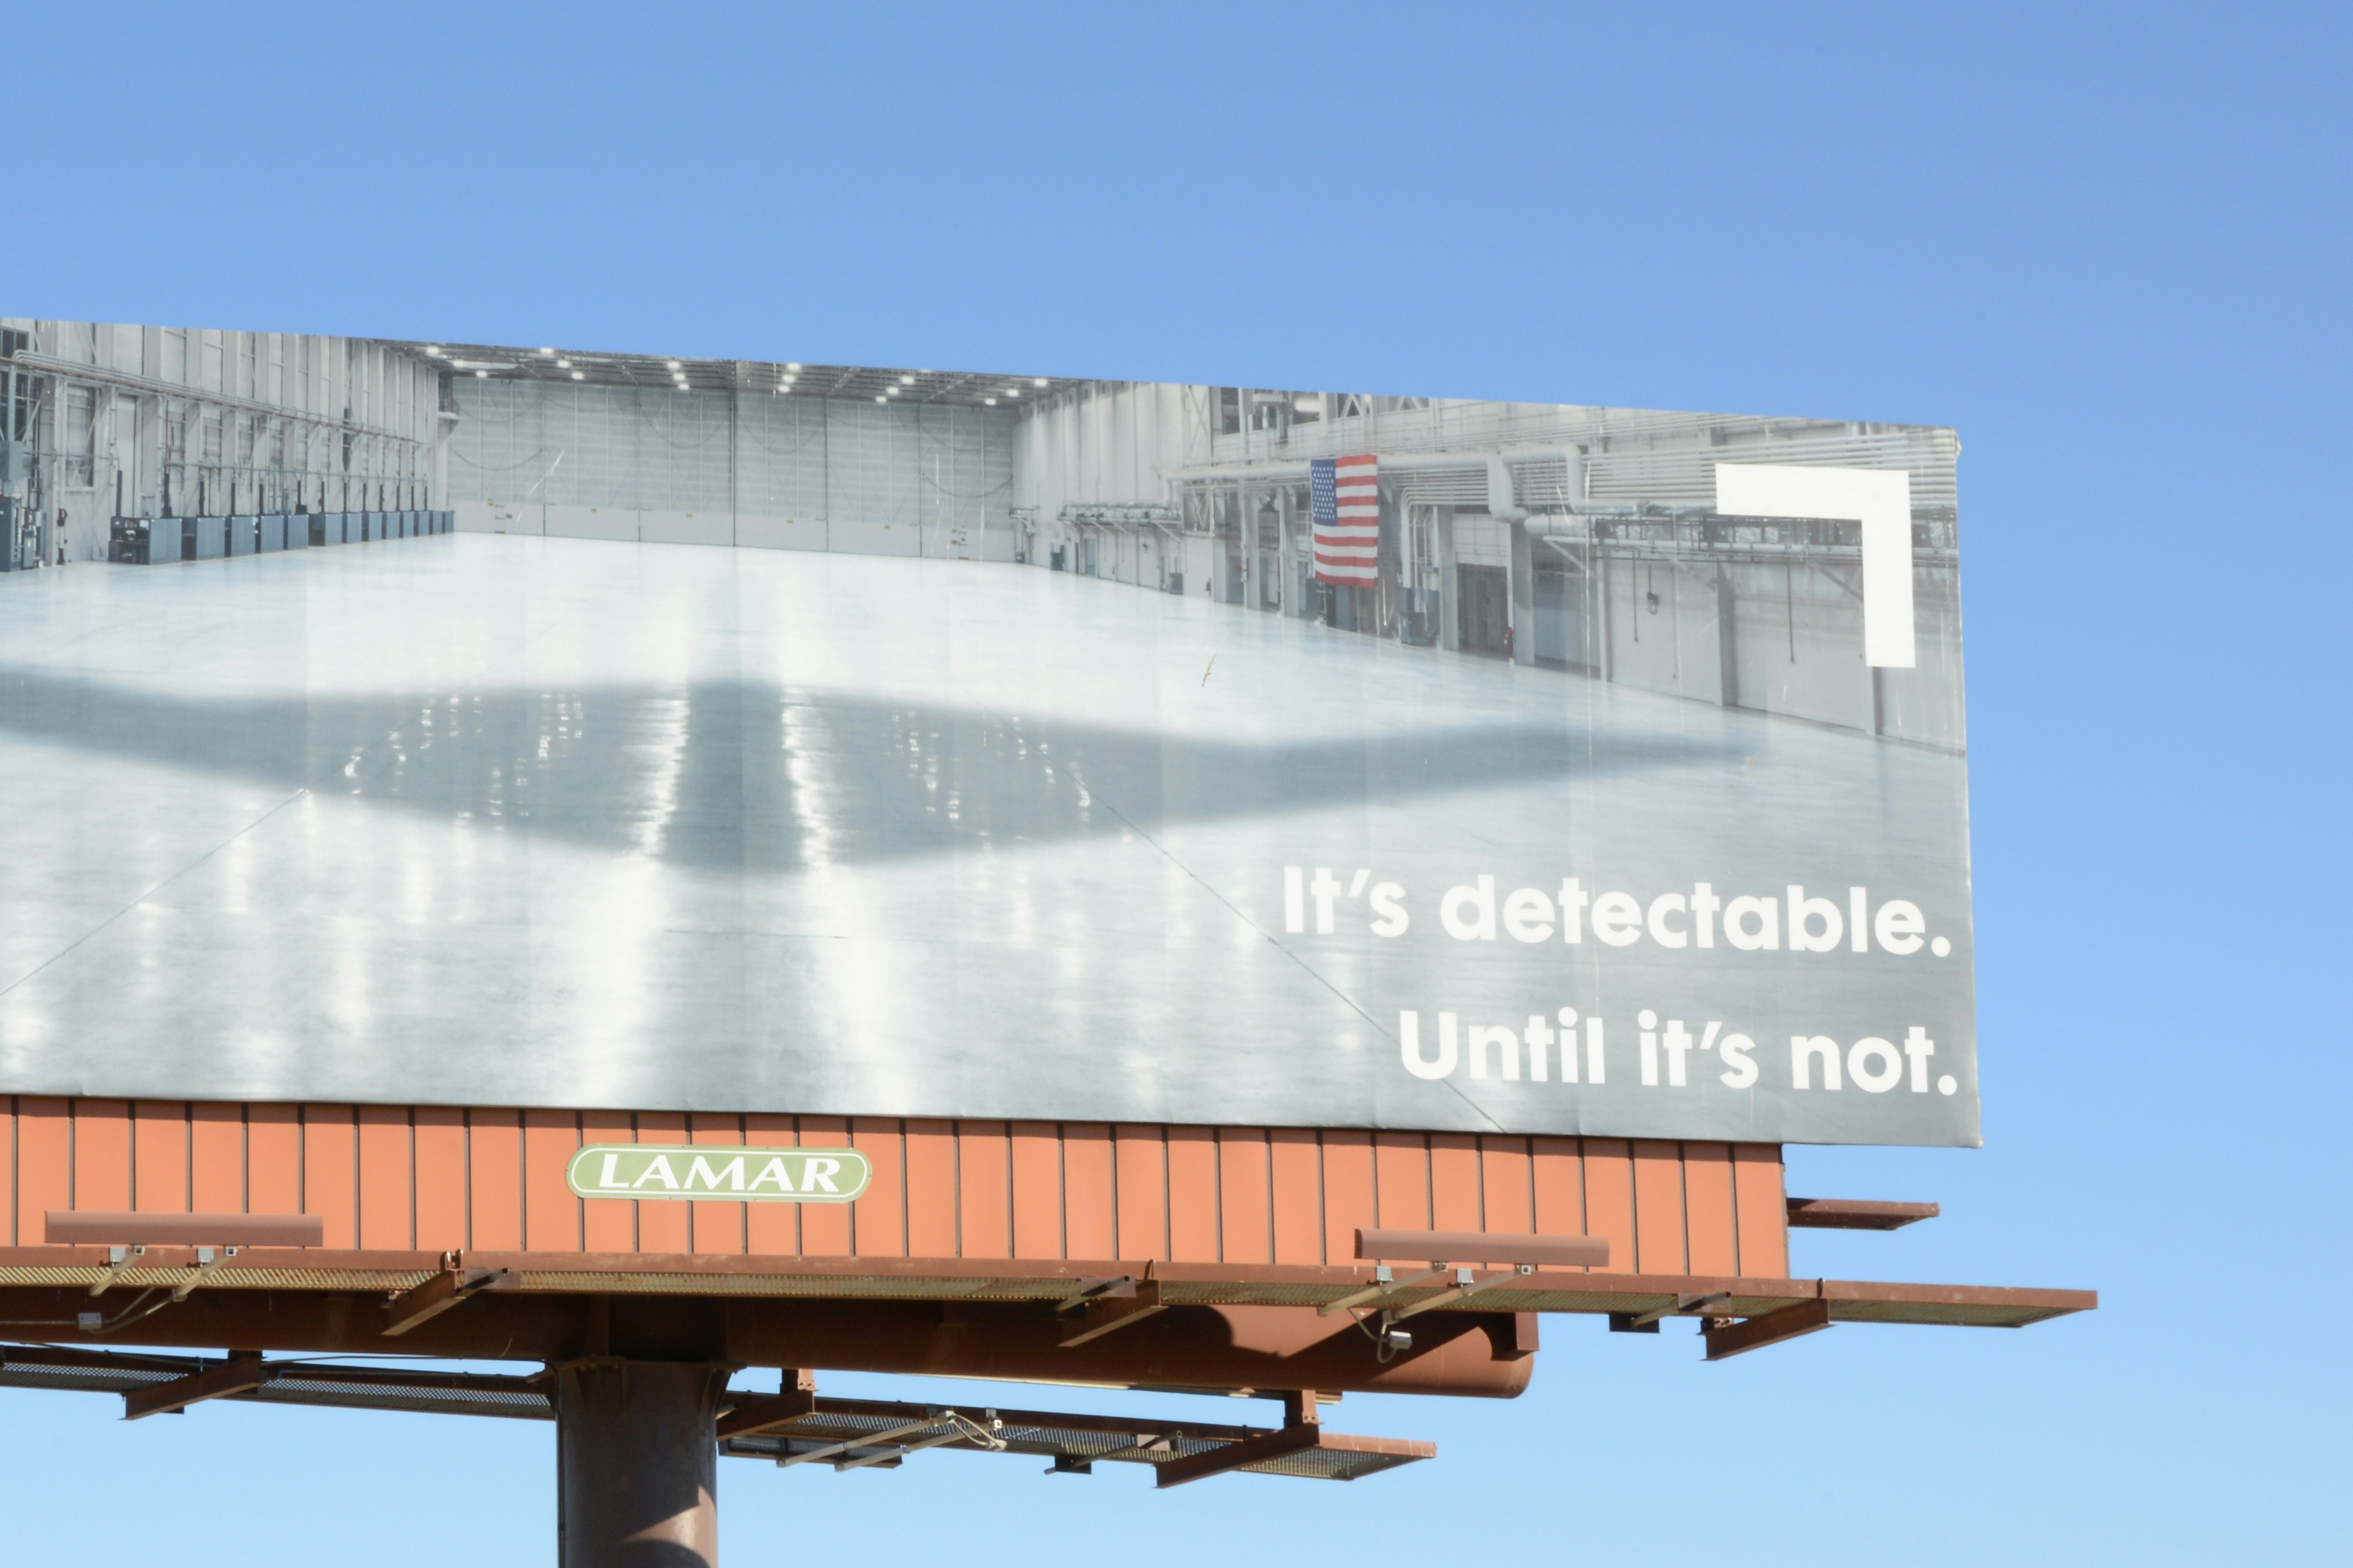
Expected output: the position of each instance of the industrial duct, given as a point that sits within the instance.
(1499, 502)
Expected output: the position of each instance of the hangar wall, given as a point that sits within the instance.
(1577, 538)
(660, 465)
(115, 420)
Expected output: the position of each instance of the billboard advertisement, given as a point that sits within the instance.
(623, 732)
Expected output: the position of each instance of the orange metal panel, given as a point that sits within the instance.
(1140, 1164)
(1659, 1208)
(1506, 1199)
(273, 1159)
(1245, 1196)
(387, 1173)
(717, 1226)
(1037, 1154)
(550, 1214)
(1609, 1199)
(1556, 1178)
(1707, 1210)
(494, 1180)
(1087, 1192)
(101, 1154)
(931, 1189)
(1297, 1171)
(331, 1185)
(9, 1164)
(1347, 1193)
(159, 1154)
(607, 1224)
(983, 1190)
(217, 1158)
(663, 1226)
(44, 1164)
(441, 1154)
(824, 1228)
(1401, 1180)
(1192, 1195)
(878, 1221)
(1758, 1190)
(773, 1230)
(1454, 1184)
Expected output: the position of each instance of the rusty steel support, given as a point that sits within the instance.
(637, 1459)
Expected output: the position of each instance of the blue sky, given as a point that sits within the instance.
(2108, 243)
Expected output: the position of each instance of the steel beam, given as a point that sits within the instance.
(1107, 1314)
(1234, 1455)
(1485, 1247)
(1752, 1334)
(1855, 1213)
(443, 1291)
(244, 1372)
(85, 1225)
(767, 1414)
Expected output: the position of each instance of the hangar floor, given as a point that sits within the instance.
(491, 820)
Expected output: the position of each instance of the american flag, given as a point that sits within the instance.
(1344, 495)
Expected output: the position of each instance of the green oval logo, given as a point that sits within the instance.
(707, 1172)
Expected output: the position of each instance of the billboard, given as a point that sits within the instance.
(852, 740)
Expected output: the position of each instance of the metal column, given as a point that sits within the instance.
(1524, 596)
(637, 1459)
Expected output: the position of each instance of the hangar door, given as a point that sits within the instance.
(1485, 609)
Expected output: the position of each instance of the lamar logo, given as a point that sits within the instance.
(704, 1173)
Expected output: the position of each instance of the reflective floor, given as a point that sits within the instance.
(501, 821)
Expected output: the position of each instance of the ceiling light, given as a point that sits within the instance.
(684, 387)
(434, 349)
(482, 375)
(1012, 392)
(547, 351)
(906, 381)
(1037, 381)
(881, 400)
(580, 374)
(564, 364)
(673, 364)
(792, 367)
(990, 401)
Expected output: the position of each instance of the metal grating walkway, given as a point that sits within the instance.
(847, 1433)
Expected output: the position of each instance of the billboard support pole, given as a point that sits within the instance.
(637, 1457)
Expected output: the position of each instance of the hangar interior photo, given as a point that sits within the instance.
(1576, 538)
